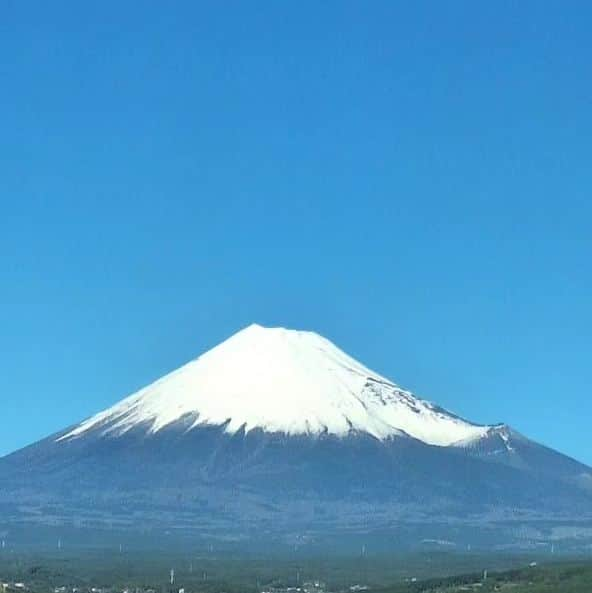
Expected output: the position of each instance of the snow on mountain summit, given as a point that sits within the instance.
(281, 380)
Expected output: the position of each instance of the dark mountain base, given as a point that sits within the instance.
(205, 483)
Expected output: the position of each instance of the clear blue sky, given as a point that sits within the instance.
(410, 179)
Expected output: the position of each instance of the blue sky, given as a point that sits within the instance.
(411, 180)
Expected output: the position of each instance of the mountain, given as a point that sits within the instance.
(280, 432)
(279, 380)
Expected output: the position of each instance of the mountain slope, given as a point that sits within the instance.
(282, 381)
(280, 430)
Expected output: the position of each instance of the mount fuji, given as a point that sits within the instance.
(280, 432)
(281, 381)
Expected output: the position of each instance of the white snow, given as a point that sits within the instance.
(287, 381)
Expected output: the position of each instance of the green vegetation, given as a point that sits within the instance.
(556, 578)
(149, 572)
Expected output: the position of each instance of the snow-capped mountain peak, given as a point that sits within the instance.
(281, 380)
